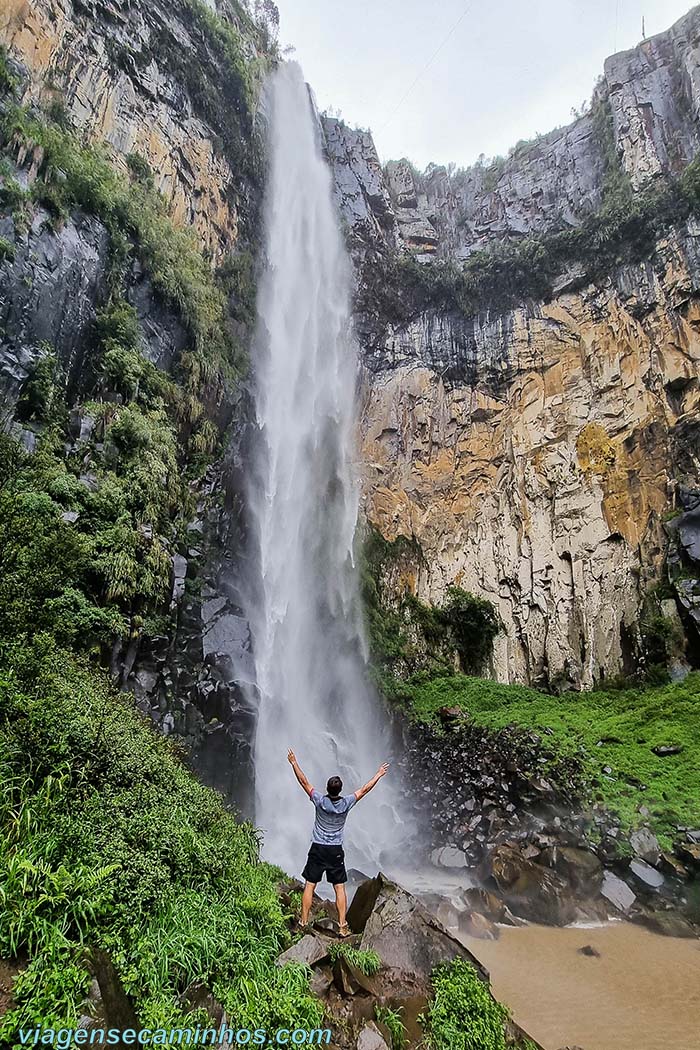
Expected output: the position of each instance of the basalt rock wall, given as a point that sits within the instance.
(542, 455)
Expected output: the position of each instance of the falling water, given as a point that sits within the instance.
(306, 623)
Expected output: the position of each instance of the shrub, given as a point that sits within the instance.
(83, 176)
(7, 249)
(408, 636)
(474, 624)
(8, 80)
(42, 391)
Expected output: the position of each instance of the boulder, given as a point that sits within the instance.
(617, 892)
(408, 939)
(320, 982)
(648, 876)
(670, 865)
(473, 924)
(362, 903)
(532, 891)
(667, 923)
(646, 845)
(350, 980)
(581, 868)
(690, 853)
(449, 857)
(308, 951)
(488, 904)
(370, 1038)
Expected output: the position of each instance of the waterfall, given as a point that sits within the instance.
(306, 620)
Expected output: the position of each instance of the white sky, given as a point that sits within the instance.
(506, 69)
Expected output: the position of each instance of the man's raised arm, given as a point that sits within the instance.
(301, 777)
(361, 792)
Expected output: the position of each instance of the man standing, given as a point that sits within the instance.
(326, 853)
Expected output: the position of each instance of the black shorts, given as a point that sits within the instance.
(330, 859)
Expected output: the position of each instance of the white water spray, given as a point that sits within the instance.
(307, 620)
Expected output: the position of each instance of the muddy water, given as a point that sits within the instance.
(642, 993)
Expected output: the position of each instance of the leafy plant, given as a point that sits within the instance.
(7, 249)
(106, 840)
(392, 1020)
(8, 80)
(83, 176)
(368, 962)
(462, 1014)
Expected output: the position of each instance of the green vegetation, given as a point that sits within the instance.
(615, 728)
(408, 636)
(391, 1019)
(88, 561)
(8, 81)
(75, 176)
(224, 91)
(367, 962)
(106, 841)
(462, 1014)
(7, 249)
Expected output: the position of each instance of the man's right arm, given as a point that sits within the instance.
(298, 773)
(366, 788)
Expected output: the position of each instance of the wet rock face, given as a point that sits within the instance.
(147, 80)
(654, 96)
(198, 683)
(48, 295)
(543, 482)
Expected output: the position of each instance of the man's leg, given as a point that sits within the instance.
(307, 901)
(341, 903)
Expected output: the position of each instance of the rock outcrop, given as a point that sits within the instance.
(409, 942)
(145, 80)
(537, 453)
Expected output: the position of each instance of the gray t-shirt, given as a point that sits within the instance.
(331, 814)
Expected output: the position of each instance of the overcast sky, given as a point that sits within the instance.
(504, 69)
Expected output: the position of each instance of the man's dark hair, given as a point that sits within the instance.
(334, 787)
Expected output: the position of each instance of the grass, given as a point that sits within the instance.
(462, 1014)
(614, 728)
(391, 1019)
(107, 841)
(368, 962)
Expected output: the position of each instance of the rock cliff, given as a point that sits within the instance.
(538, 453)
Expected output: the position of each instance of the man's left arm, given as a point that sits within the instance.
(299, 773)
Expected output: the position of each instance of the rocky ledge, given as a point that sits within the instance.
(512, 817)
(409, 943)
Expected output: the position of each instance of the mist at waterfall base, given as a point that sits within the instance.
(307, 619)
